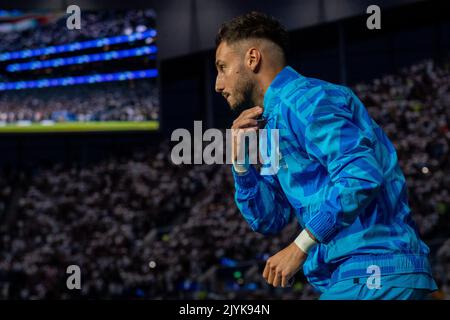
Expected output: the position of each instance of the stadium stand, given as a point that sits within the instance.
(96, 25)
(118, 101)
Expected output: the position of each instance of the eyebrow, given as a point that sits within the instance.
(219, 61)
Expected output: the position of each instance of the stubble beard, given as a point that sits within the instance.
(245, 94)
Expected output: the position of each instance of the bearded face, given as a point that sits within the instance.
(234, 81)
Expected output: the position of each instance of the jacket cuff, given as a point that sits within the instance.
(322, 226)
(246, 180)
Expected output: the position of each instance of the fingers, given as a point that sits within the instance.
(238, 141)
(275, 276)
(283, 282)
(266, 271)
(271, 276)
(244, 123)
(276, 279)
(287, 280)
(252, 113)
(281, 267)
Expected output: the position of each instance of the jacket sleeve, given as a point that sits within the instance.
(261, 201)
(331, 135)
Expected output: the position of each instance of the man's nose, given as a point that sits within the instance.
(219, 85)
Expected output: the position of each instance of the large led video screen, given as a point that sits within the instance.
(78, 71)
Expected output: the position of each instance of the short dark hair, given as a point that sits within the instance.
(254, 25)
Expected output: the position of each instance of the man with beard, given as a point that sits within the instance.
(338, 174)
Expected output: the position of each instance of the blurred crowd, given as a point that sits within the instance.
(137, 227)
(118, 101)
(141, 227)
(94, 24)
(413, 108)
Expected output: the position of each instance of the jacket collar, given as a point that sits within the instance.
(274, 91)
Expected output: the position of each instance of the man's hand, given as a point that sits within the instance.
(245, 122)
(281, 267)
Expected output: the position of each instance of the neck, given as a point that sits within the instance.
(265, 81)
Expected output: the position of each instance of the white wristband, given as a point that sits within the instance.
(304, 241)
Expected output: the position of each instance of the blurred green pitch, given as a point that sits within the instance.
(83, 126)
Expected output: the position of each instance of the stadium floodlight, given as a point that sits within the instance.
(76, 46)
(87, 58)
(94, 78)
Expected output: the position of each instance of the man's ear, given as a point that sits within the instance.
(253, 59)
